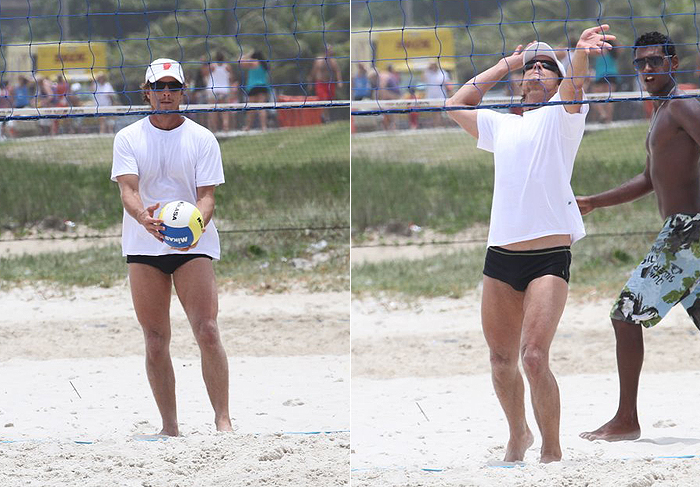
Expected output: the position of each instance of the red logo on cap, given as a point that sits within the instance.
(166, 66)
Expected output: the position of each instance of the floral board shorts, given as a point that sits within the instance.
(669, 274)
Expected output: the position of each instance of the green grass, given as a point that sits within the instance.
(444, 183)
(251, 261)
(449, 275)
(296, 178)
(299, 176)
(603, 264)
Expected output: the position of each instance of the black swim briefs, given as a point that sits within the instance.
(519, 268)
(165, 263)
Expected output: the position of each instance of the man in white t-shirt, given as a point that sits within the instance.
(437, 87)
(534, 221)
(158, 159)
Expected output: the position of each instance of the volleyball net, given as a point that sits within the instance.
(76, 59)
(410, 56)
(270, 78)
(414, 169)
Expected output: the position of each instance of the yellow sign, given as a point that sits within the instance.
(70, 58)
(414, 47)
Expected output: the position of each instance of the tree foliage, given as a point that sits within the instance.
(486, 31)
(289, 33)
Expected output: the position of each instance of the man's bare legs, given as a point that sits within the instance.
(501, 319)
(195, 285)
(523, 324)
(630, 357)
(150, 292)
(545, 298)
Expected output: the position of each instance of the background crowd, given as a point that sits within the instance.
(213, 80)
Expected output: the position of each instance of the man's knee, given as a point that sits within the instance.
(207, 333)
(157, 342)
(535, 360)
(502, 363)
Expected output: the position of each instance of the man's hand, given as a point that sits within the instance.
(190, 247)
(585, 205)
(515, 60)
(153, 226)
(595, 40)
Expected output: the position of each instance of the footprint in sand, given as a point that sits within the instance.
(664, 423)
(275, 454)
(293, 402)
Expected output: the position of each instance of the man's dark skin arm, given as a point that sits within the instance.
(633, 189)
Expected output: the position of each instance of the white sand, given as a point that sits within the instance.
(431, 355)
(289, 363)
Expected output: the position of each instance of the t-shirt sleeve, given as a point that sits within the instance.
(210, 169)
(123, 158)
(572, 125)
(487, 122)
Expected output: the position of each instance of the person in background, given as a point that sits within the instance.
(606, 81)
(105, 97)
(361, 87)
(437, 87)
(20, 94)
(222, 87)
(388, 89)
(5, 103)
(326, 78)
(325, 75)
(257, 87)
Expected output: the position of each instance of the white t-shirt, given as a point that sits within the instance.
(103, 94)
(533, 159)
(170, 166)
(434, 84)
(219, 82)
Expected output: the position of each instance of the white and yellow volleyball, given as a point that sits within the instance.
(183, 224)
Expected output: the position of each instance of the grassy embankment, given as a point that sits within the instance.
(298, 178)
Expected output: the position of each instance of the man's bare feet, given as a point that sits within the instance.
(546, 458)
(169, 432)
(515, 451)
(614, 430)
(224, 424)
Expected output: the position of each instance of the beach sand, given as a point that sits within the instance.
(75, 400)
(424, 410)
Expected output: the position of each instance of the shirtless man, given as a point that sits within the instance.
(325, 75)
(669, 273)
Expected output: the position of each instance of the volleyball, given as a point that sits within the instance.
(183, 224)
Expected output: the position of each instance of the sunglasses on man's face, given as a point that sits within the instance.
(548, 65)
(653, 61)
(170, 85)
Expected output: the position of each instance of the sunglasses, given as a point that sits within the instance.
(549, 65)
(170, 85)
(653, 61)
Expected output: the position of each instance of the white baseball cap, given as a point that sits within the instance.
(542, 49)
(163, 67)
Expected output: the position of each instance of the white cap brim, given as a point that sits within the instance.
(163, 67)
(542, 49)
